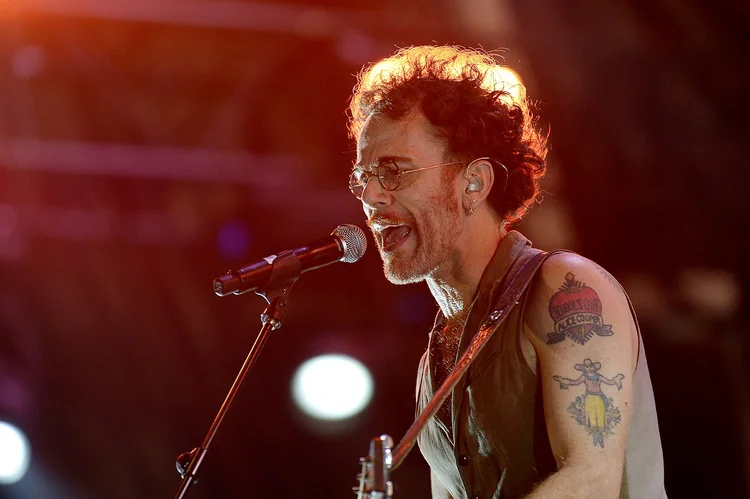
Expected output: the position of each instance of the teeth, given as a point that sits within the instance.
(380, 227)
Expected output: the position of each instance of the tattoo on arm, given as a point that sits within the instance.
(593, 410)
(577, 312)
(610, 278)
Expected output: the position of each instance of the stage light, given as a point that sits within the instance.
(504, 78)
(15, 453)
(715, 292)
(332, 387)
(233, 239)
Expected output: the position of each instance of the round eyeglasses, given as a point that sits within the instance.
(388, 174)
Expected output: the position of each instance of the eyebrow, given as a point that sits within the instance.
(382, 159)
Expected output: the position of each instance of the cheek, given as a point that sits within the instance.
(368, 210)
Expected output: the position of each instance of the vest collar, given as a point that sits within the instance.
(506, 254)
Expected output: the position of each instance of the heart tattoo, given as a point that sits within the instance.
(577, 312)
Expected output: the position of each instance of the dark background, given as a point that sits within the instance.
(147, 147)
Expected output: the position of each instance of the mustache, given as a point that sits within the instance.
(386, 219)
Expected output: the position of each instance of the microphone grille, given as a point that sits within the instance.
(354, 241)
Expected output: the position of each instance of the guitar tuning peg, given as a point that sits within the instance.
(387, 441)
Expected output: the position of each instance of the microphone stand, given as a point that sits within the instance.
(285, 271)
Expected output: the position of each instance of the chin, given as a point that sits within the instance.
(401, 272)
(400, 279)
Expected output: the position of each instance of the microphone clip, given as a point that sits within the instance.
(285, 270)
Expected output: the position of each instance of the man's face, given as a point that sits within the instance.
(417, 226)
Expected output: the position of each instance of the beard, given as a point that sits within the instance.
(435, 229)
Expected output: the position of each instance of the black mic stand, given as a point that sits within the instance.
(284, 273)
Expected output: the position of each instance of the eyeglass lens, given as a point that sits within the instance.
(387, 173)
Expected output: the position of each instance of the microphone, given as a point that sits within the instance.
(345, 244)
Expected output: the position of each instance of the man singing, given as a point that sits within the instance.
(559, 403)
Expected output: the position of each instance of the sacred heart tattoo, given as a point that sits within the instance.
(594, 410)
(577, 312)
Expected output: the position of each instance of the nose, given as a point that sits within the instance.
(374, 196)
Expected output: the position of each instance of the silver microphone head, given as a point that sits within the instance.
(354, 241)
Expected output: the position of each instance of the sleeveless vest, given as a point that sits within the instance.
(496, 444)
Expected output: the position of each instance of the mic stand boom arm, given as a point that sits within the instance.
(284, 273)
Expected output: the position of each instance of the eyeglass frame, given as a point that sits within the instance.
(399, 173)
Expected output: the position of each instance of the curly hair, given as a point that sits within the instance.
(465, 95)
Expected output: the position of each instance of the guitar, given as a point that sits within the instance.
(374, 478)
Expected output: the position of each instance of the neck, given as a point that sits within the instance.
(454, 285)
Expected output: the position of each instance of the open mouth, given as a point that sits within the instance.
(392, 235)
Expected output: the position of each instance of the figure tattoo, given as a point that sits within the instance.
(593, 410)
(577, 312)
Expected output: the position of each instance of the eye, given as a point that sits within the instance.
(388, 170)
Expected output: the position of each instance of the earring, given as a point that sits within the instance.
(471, 206)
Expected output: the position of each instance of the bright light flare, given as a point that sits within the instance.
(332, 387)
(504, 78)
(496, 77)
(15, 454)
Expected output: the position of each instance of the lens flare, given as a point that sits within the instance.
(15, 454)
(332, 387)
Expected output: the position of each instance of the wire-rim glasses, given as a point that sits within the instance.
(388, 174)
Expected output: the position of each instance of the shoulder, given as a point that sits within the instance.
(568, 285)
(564, 262)
(567, 271)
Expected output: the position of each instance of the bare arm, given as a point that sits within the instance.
(585, 339)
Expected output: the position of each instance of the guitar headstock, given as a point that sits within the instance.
(374, 478)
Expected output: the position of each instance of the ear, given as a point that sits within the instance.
(479, 176)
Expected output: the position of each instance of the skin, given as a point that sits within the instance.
(449, 249)
(446, 247)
